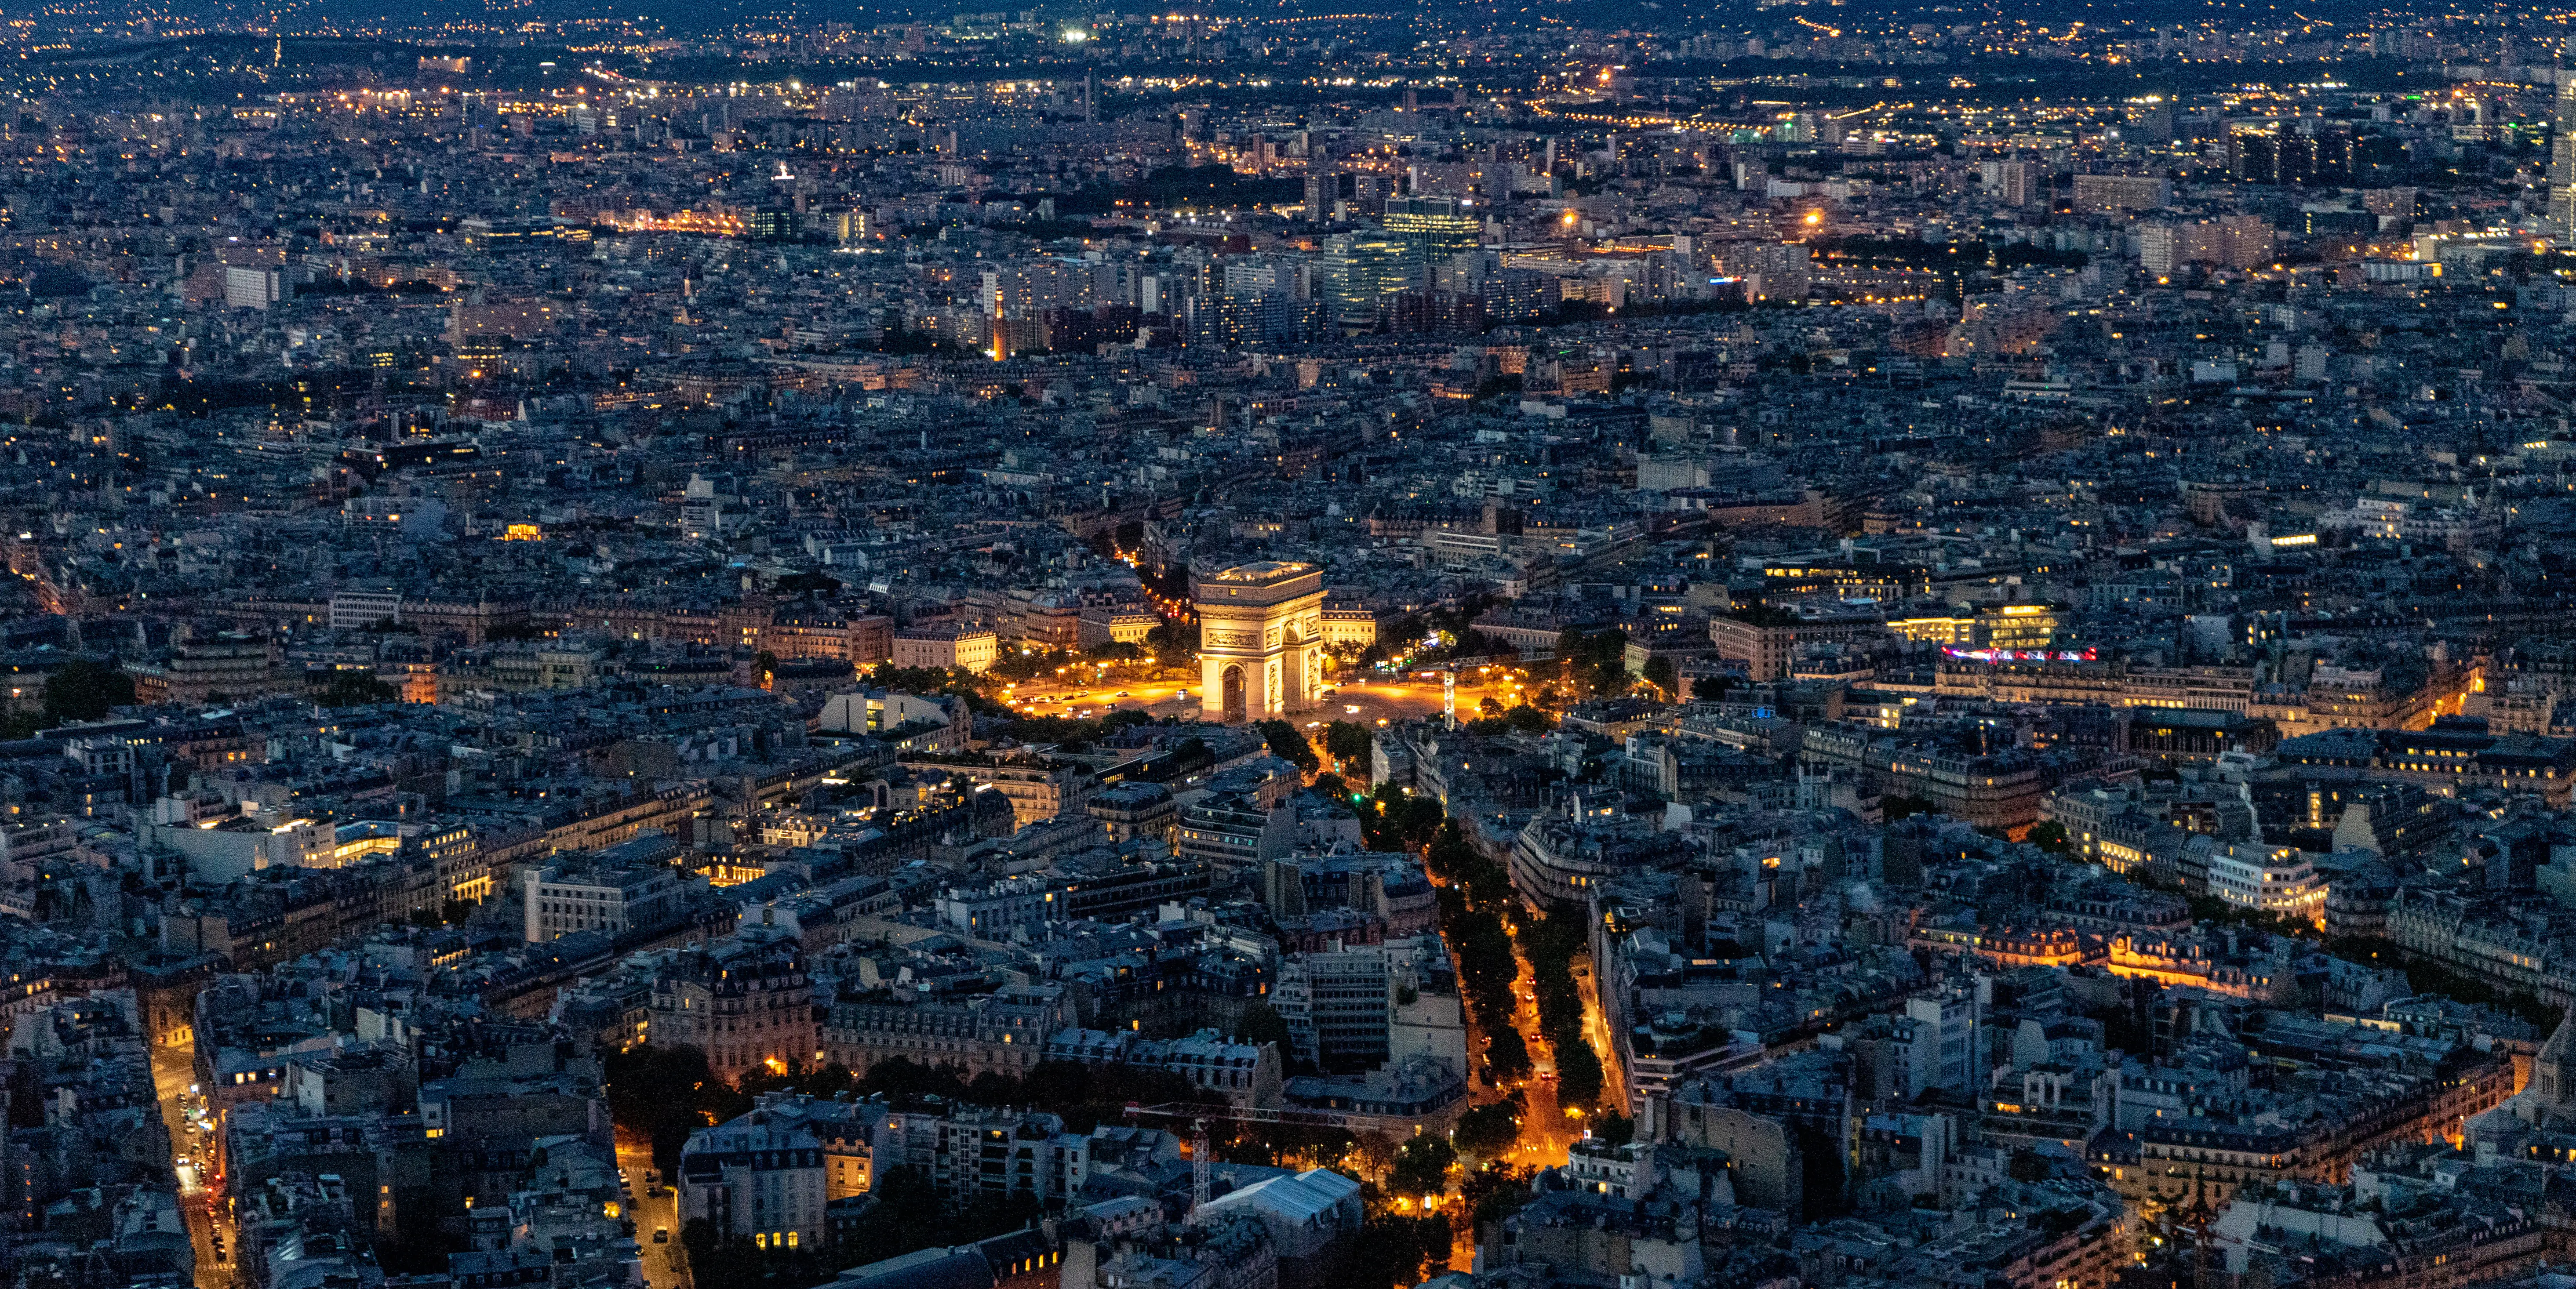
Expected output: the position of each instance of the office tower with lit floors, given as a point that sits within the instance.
(1432, 228)
(2562, 156)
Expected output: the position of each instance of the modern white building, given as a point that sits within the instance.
(255, 288)
(940, 723)
(1943, 1048)
(978, 1153)
(359, 610)
(2274, 879)
(562, 900)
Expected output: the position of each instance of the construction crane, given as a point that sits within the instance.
(1202, 1155)
(1202, 1168)
(1238, 1114)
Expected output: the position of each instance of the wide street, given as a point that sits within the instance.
(1547, 1130)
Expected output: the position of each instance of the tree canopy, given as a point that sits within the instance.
(1289, 745)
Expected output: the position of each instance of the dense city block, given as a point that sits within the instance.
(1793, 645)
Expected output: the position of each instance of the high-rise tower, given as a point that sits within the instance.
(2562, 156)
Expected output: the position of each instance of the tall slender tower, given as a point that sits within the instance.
(2562, 154)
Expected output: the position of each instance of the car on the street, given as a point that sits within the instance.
(661, 1235)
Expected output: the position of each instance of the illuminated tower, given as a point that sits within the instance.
(2562, 157)
(1433, 228)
